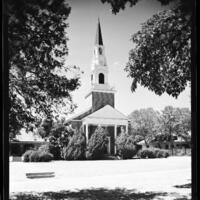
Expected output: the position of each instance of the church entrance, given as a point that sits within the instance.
(110, 140)
(112, 131)
(107, 149)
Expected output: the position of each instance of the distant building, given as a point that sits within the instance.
(25, 141)
(102, 111)
(179, 141)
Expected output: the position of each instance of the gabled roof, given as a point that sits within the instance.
(80, 116)
(107, 112)
(98, 39)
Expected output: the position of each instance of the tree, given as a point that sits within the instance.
(97, 144)
(75, 150)
(144, 122)
(39, 80)
(184, 126)
(175, 122)
(126, 146)
(56, 131)
(45, 127)
(161, 59)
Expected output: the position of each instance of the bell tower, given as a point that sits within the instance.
(102, 93)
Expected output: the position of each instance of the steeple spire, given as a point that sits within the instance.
(98, 39)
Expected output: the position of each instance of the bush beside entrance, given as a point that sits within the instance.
(126, 146)
(75, 150)
(97, 144)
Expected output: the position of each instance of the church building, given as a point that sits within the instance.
(102, 111)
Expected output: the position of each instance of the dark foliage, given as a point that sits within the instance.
(97, 144)
(146, 153)
(161, 59)
(45, 157)
(184, 186)
(97, 194)
(34, 156)
(52, 149)
(37, 156)
(57, 132)
(15, 149)
(118, 5)
(153, 153)
(161, 153)
(37, 44)
(75, 150)
(26, 155)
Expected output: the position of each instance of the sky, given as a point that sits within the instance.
(116, 32)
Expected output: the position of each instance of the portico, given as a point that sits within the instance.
(110, 119)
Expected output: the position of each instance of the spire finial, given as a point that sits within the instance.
(98, 39)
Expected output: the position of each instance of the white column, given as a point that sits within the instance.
(126, 129)
(86, 133)
(115, 135)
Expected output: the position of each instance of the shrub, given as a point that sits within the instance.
(126, 146)
(37, 156)
(45, 157)
(52, 149)
(153, 153)
(97, 144)
(161, 153)
(34, 156)
(147, 153)
(26, 155)
(165, 154)
(75, 150)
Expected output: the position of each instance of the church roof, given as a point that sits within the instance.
(98, 39)
(107, 112)
(81, 115)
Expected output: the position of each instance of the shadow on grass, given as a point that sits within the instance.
(94, 194)
(183, 186)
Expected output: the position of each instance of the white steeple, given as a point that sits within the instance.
(100, 71)
(99, 68)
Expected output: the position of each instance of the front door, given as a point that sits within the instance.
(108, 145)
(107, 149)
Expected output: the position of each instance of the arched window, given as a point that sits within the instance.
(101, 78)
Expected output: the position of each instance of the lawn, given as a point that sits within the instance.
(168, 178)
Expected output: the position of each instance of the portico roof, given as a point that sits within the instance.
(107, 112)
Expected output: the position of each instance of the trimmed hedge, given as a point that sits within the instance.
(37, 156)
(153, 153)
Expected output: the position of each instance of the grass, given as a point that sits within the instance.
(98, 180)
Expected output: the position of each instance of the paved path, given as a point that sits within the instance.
(139, 174)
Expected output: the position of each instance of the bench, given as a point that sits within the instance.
(40, 175)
